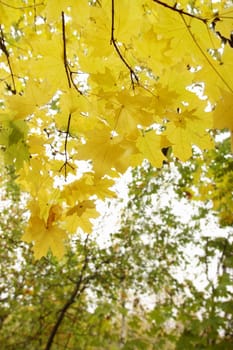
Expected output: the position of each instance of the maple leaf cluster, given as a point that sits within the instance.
(110, 83)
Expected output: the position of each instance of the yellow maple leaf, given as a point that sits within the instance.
(48, 62)
(55, 213)
(150, 144)
(88, 185)
(8, 17)
(96, 28)
(223, 113)
(82, 9)
(105, 151)
(53, 9)
(36, 144)
(33, 179)
(186, 129)
(79, 216)
(33, 97)
(77, 107)
(130, 110)
(127, 15)
(46, 234)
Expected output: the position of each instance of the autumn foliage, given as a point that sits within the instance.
(110, 83)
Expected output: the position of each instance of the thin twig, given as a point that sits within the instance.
(71, 82)
(113, 41)
(206, 262)
(7, 55)
(69, 73)
(184, 14)
(66, 65)
(180, 11)
(34, 13)
(221, 259)
(66, 163)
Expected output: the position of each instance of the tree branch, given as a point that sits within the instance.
(204, 54)
(69, 73)
(77, 291)
(133, 76)
(221, 259)
(71, 82)
(180, 11)
(66, 65)
(184, 14)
